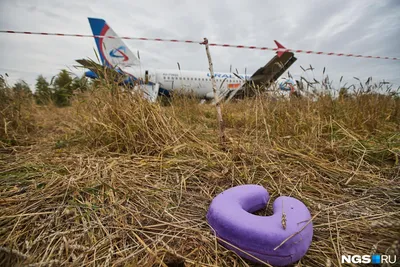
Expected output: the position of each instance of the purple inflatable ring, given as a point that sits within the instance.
(230, 215)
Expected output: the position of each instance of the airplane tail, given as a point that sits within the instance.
(113, 52)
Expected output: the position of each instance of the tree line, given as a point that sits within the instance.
(58, 91)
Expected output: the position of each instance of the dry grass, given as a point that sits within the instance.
(16, 117)
(114, 180)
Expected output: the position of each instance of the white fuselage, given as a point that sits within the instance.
(196, 82)
(113, 52)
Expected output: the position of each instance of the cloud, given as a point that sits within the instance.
(359, 27)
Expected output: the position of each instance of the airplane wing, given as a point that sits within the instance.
(273, 69)
(265, 75)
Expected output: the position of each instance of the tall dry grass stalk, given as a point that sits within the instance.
(115, 180)
(216, 97)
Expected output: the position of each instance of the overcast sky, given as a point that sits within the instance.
(358, 27)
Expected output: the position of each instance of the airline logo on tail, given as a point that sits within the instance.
(119, 53)
(113, 51)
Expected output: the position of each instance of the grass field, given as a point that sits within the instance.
(115, 181)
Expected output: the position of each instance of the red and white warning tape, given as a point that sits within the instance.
(210, 44)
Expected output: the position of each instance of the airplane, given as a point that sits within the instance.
(115, 55)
